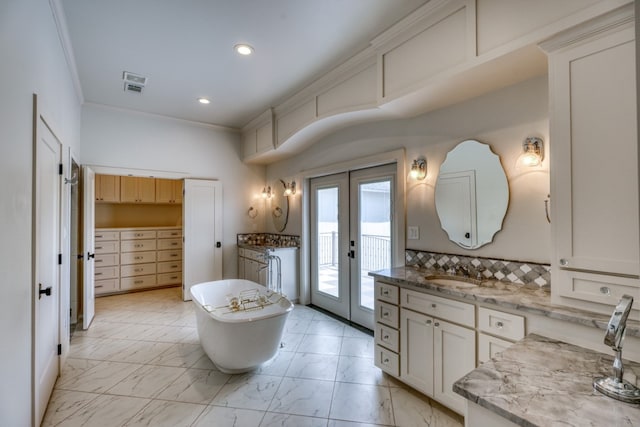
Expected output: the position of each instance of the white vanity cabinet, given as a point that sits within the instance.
(252, 265)
(496, 332)
(594, 162)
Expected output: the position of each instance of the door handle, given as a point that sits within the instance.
(41, 291)
(351, 254)
(90, 255)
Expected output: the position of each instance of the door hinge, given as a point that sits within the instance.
(59, 259)
(59, 349)
(60, 169)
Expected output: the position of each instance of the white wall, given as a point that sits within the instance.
(32, 62)
(502, 119)
(124, 139)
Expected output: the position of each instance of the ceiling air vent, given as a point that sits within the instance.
(133, 82)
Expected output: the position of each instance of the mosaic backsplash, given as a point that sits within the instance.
(518, 272)
(268, 239)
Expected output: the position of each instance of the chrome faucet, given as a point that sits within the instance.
(462, 270)
(271, 258)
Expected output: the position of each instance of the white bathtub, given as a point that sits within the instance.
(238, 341)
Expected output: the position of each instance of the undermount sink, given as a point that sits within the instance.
(458, 281)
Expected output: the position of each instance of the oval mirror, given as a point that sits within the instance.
(472, 194)
(279, 207)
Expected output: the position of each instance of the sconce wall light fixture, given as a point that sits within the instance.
(289, 188)
(266, 192)
(418, 168)
(533, 152)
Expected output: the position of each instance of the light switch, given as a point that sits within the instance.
(413, 233)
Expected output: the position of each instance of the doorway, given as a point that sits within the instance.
(75, 256)
(351, 234)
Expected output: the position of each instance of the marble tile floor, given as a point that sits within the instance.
(140, 364)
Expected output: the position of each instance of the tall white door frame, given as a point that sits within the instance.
(88, 246)
(47, 263)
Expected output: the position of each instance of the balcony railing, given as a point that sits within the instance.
(375, 251)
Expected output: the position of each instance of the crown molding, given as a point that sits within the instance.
(60, 20)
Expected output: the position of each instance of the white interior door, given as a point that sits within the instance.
(202, 233)
(46, 290)
(457, 212)
(89, 228)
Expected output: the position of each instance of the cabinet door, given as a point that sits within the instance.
(164, 190)
(454, 355)
(107, 188)
(146, 190)
(416, 345)
(177, 191)
(128, 189)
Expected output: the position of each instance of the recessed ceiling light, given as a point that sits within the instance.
(204, 101)
(243, 49)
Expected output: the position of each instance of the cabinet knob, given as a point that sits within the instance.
(605, 290)
(564, 262)
(385, 292)
(385, 314)
(433, 305)
(385, 361)
(386, 337)
(499, 325)
(436, 324)
(428, 322)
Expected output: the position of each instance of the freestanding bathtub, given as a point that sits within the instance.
(238, 338)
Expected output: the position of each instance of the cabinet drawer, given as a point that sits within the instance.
(489, 346)
(101, 236)
(137, 269)
(137, 282)
(169, 267)
(169, 278)
(598, 288)
(387, 360)
(106, 273)
(388, 293)
(138, 245)
(387, 314)
(168, 234)
(140, 234)
(387, 337)
(106, 260)
(107, 247)
(501, 324)
(169, 244)
(137, 257)
(106, 286)
(169, 255)
(444, 308)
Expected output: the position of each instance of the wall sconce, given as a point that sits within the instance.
(290, 188)
(418, 169)
(266, 192)
(533, 152)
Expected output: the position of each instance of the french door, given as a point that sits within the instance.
(351, 235)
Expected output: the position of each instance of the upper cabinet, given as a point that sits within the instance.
(594, 162)
(168, 190)
(107, 188)
(135, 189)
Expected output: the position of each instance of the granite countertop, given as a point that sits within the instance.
(262, 248)
(541, 382)
(527, 298)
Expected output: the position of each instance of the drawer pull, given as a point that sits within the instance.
(137, 246)
(386, 314)
(499, 325)
(564, 262)
(436, 324)
(174, 234)
(137, 257)
(386, 337)
(174, 255)
(137, 270)
(434, 305)
(385, 292)
(428, 322)
(385, 361)
(99, 286)
(98, 247)
(98, 274)
(174, 277)
(605, 290)
(174, 266)
(99, 236)
(98, 260)
(139, 234)
(174, 243)
(138, 282)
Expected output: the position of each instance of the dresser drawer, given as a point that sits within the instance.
(169, 255)
(138, 245)
(387, 314)
(137, 234)
(169, 244)
(137, 269)
(169, 267)
(598, 288)
(106, 260)
(137, 282)
(168, 234)
(170, 278)
(388, 293)
(107, 247)
(137, 257)
(106, 286)
(387, 337)
(443, 308)
(106, 272)
(501, 324)
(489, 346)
(101, 236)
(387, 360)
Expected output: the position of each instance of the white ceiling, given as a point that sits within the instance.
(185, 49)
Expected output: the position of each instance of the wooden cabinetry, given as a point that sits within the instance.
(107, 188)
(137, 258)
(594, 169)
(168, 190)
(134, 189)
(253, 265)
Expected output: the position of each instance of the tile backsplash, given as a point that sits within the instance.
(518, 272)
(269, 239)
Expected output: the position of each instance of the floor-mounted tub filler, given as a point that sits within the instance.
(240, 323)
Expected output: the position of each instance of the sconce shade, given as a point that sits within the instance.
(290, 188)
(533, 152)
(266, 192)
(418, 169)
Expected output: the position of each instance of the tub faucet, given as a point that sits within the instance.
(274, 258)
